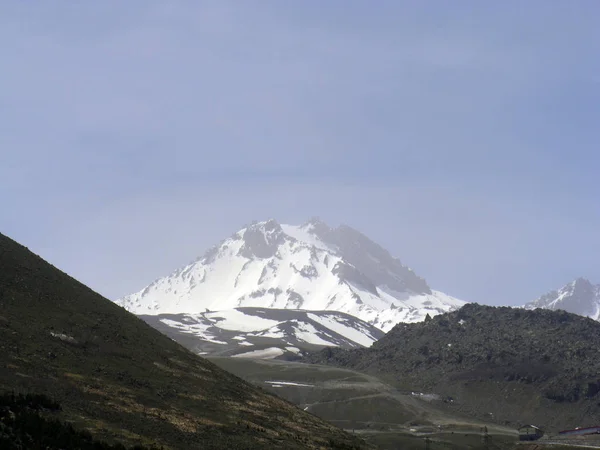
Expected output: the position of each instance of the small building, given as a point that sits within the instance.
(530, 433)
(580, 431)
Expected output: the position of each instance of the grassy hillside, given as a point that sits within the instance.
(121, 380)
(505, 365)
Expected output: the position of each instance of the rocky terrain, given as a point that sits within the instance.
(508, 365)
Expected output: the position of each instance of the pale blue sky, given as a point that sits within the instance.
(463, 136)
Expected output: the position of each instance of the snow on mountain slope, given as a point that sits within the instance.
(578, 297)
(254, 332)
(310, 267)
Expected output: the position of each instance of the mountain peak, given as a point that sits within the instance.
(262, 239)
(311, 266)
(315, 221)
(581, 283)
(579, 297)
(316, 227)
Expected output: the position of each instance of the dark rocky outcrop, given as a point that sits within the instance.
(518, 365)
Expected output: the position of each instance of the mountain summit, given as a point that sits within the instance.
(310, 267)
(578, 297)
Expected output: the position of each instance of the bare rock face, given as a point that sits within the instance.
(352, 275)
(262, 240)
(371, 259)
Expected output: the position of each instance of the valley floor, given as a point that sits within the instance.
(367, 406)
(382, 415)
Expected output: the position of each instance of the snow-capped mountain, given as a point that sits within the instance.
(309, 267)
(264, 332)
(578, 297)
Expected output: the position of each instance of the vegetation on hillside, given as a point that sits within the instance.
(124, 382)
(25, 424)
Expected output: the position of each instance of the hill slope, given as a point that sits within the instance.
(124, 381)
(504, 364)
(312, 267)
(578, 297)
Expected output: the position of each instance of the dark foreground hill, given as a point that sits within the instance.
(506, 365)
(94, 371)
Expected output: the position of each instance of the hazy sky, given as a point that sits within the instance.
(462, 136)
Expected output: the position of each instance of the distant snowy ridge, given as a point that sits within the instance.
(578, 297)
(309, 267)
(264, 332)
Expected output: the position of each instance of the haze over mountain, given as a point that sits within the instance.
(442, 138)
(578, 297)
(310, 267)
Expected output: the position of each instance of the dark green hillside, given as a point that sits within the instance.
(124, 382)
(505, 365)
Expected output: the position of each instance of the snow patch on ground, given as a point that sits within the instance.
(235, 320)
(308, 333)
(197, 329)
(360, 336)
(289, 383)
(64, 337)
(267, 353)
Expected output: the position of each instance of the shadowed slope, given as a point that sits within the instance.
(124, 381)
